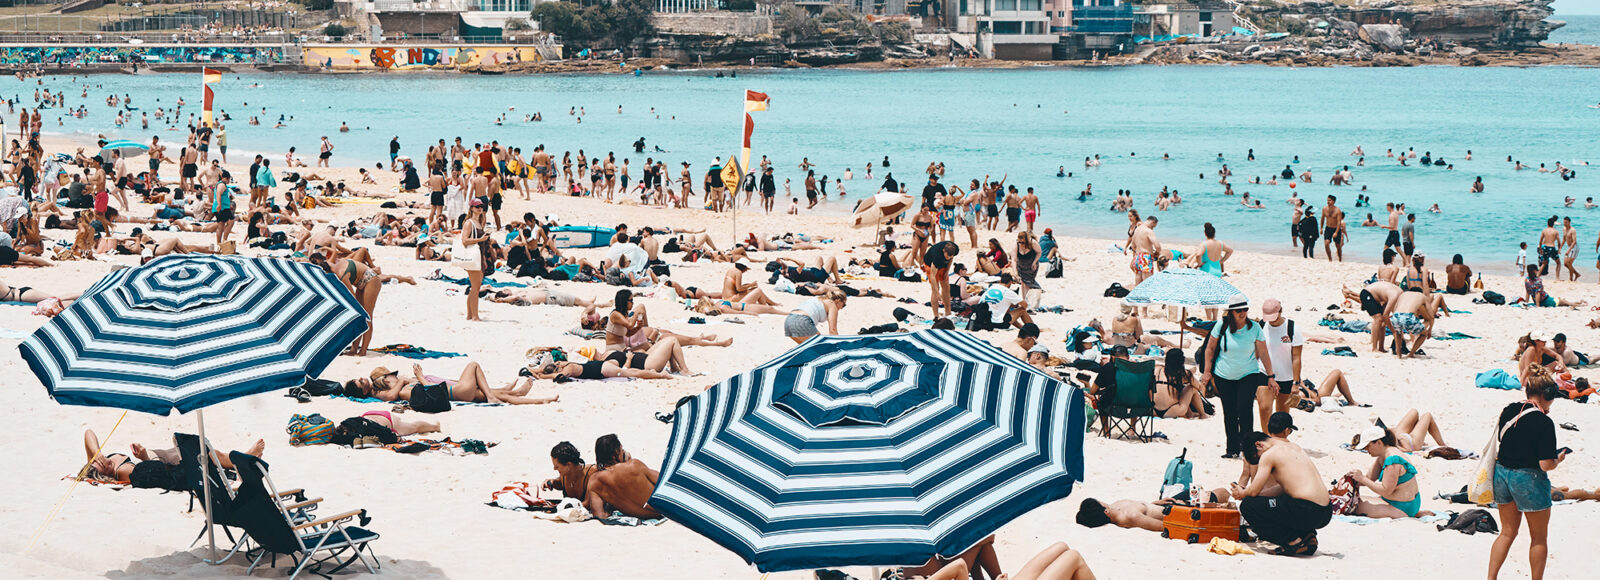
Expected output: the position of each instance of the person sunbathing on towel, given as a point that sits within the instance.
(431, 394)
(620, 483)
(1135, 514)
(119, 467)
(1056, 562)
(572, 474)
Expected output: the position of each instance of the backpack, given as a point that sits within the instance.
(1493, 297)
(1180, 471)
(1055, 268)
(321, 387)
(313, 429)
(357, 427)
(1115, 291)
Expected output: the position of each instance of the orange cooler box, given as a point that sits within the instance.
(1200, 524)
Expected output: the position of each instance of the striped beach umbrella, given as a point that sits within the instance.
(124, 148)
(187, 331)
(870, 451)
(1184, 287)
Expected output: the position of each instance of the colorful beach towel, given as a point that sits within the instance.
(1497, 379)
(490, 282)
(1454, 336)
(415, 352)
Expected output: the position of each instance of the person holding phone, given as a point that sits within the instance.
(1521, 488)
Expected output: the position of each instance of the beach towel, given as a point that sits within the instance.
(520, 495)
(617, 519)
(114, 485)
(415, 352)
(412, 445)
(13, 334)
(1366, 521)
(1340, 351)
(1454, 336)
(579, 332)
(357, 399)
(487, 281)
(1497, 379)
(1228, 547)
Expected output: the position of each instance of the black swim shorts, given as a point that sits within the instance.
(1369, 304)
(430, 398)
(436, 199)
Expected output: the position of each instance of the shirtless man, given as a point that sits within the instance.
(1013, 211)
(1291, 517)
(1393, 239)
(157, 153)
(1549, 247)
(1375, 299)
(1412, 313)
(1145, 248)
(620, 482)
(189, 162)
(1569, 243)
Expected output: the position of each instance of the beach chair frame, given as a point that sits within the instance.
(302, 541)
(191, 460)
(1132, 406)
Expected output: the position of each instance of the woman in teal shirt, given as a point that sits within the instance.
(1236, 352)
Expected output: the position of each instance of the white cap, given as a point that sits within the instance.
(1370, 434)
(1539, 335)
(744, 262)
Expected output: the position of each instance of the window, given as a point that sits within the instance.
(1005, 5)
(1033, 27)
(1008, 27)
(1032, 5)
(1205, 17)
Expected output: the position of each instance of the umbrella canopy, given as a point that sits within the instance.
(882, 207)
(1183, 287)
(187, 331)
(870, 450)
(124, 148)
(638, 258)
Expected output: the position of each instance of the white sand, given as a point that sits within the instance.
(430, 508)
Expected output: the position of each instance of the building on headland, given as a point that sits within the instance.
(1006, 29)
(467, 21)
(1183, 19)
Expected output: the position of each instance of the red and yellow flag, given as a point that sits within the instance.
(209, 76)
(754, 101)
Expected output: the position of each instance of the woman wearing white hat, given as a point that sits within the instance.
(1235, 355)
(1392, 477)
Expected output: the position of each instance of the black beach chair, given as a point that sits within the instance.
(260, 511)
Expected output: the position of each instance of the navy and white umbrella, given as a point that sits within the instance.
(187, 331)
(870, 451)
(1183, 287)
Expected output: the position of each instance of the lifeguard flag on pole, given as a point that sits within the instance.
(210, 76)
(754, 101)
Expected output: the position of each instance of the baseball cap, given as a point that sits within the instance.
(1039, 348)
(1279, 422)
(1370, 434)
(1539, 335)
(380, 372)
(1271, 310)
(743, 264)
(476, 202)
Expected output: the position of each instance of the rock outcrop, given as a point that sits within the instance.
(1482, 24)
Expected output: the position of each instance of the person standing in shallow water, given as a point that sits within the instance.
(1333, 230)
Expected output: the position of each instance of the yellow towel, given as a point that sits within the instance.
(1228, 547)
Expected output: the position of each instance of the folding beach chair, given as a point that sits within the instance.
(222, 496)
(1132, 407)
(259, 509)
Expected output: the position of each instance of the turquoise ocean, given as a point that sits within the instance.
(1020, 123)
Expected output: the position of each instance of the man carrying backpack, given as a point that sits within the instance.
(1284, 343)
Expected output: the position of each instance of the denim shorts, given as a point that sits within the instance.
(1529, 488)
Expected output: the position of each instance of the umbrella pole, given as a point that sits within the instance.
(205, 479)
(1183, 318)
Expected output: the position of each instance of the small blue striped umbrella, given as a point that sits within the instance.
(187, 331)
(870, 451)
(1184, 287)
(124, 148)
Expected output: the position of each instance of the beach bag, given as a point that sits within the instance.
(1493, 297)
(1055, 269)
(1116, 291)
(321, 387)
(313, 429)
(355, 428)
(1481, 491)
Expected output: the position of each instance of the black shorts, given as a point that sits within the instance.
(1392, 240)
(496, 201)
(1285, 387)
(994, 210)
(430, 398)
(1013, 214)
(225, 215)
(190, 170)
(1369, 304)
(325, 155)
(1407, 248)
(204, 147)
(811, 194)
(436, 199)
(8, 256)
(155, 164)
(1331, 234)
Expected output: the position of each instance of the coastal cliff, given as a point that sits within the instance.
(1480, 24)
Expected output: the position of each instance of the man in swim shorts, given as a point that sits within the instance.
(1145, 248)
(1410, 313)
(1549, 250)
(1333, 231)
(1013, 210)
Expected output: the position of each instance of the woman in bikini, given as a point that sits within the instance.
(425, 390)
(592, 370)
(711, 307)
(401, 427)
(1180, 396)
(994, 261)
(1392, 477)
(364, 282)
(117, 467)
(49, 304)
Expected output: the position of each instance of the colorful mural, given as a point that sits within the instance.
(414, 57)
(145, 54)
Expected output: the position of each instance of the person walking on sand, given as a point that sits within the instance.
(1527, 450)
(1235, 355)
(1030, 208)
(1145, 247)
(327, 152)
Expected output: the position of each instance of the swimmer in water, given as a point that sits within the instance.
(1434, 209)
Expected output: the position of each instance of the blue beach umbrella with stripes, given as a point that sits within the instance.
(1183, 287)
(124, 148)
(187, 331)
(870, 451)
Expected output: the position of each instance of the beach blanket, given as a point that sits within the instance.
(579, 332)
(1351, 326)
(1454, 336)
(1497, 379)
(415, 445)
(15, 334)
(1341, 351)
(490, 282)
(113, 485)
(415, 352)
(1366, 521)
(617, 519)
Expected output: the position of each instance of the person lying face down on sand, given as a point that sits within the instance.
(431, 394)
(620, 483)
(118, 467)
(1135, 514)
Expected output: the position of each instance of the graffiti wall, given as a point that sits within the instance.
(414, 57)
(145, 54)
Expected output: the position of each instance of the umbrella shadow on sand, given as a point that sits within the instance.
(190, 564)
